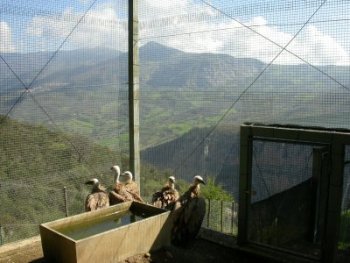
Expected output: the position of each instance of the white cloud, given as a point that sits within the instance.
(206, 33)
(190, 27)
(319, 48)
(85, 1)
(161, 7)
(100, 27)
(232, 38)
(6, 44)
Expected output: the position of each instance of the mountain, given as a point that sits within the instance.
(196, 71)
(153, 51)
(195, 152)
(49, 67)
(178, 90)
(161, 67)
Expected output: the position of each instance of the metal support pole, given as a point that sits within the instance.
(222, 216)
(232, 216)
(134, 95)
(208, 216)
(1, 237)
(65, 200)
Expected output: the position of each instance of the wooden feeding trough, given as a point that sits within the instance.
(107, 235)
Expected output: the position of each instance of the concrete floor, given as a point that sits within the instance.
(210, 247)
(203, 251)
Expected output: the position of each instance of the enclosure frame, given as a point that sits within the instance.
(336, 139)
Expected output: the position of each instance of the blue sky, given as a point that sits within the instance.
(189, 25)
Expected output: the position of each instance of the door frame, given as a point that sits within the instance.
(335, 139)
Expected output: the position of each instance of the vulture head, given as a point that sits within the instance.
(94, 182)
(198, 180)
(116, 169)
(128, 176)
(171, 179)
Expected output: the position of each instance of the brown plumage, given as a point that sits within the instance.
(188, 214)
(132, 187)
(98, 198)
(167, 196)
(119, 192)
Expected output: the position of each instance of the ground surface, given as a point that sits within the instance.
(202, 251)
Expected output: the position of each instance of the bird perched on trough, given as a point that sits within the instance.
(188, 214)
(119, 193)
(98, 198)
(132, 187)
(167, 196)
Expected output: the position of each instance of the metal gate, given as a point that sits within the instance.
(290, 190)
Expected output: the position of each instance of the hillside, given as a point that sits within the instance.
(178, 91)
(35, 166)
(42, 175)
(217, 156)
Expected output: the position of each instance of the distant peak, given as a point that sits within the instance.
(154, 46)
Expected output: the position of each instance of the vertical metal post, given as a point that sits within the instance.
(232, 216)
(65, 200)
(134, 95)
(222, 217)
(208, 217)
(332, 228)
(245, 183)
(1, 239)
(206, 157)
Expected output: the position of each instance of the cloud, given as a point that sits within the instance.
(160, 8)
(6, 44)
(261, 41)
(191, 27)
(85, 1)
(99, 27)
(319, 48)
(198, 28)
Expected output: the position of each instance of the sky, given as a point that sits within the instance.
(255, 29)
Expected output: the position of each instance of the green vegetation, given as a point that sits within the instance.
(38, 167)
(35, 166)
(214, 191)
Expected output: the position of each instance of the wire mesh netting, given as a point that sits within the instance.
(205, 67)
(63, 106)
(208, 66)
(282, 202)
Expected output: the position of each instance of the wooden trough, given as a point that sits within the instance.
(107, 235)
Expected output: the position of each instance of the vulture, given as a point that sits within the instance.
(119, 193)
(98, 198)
(188, 214)
(167, 196)
(132, 187)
